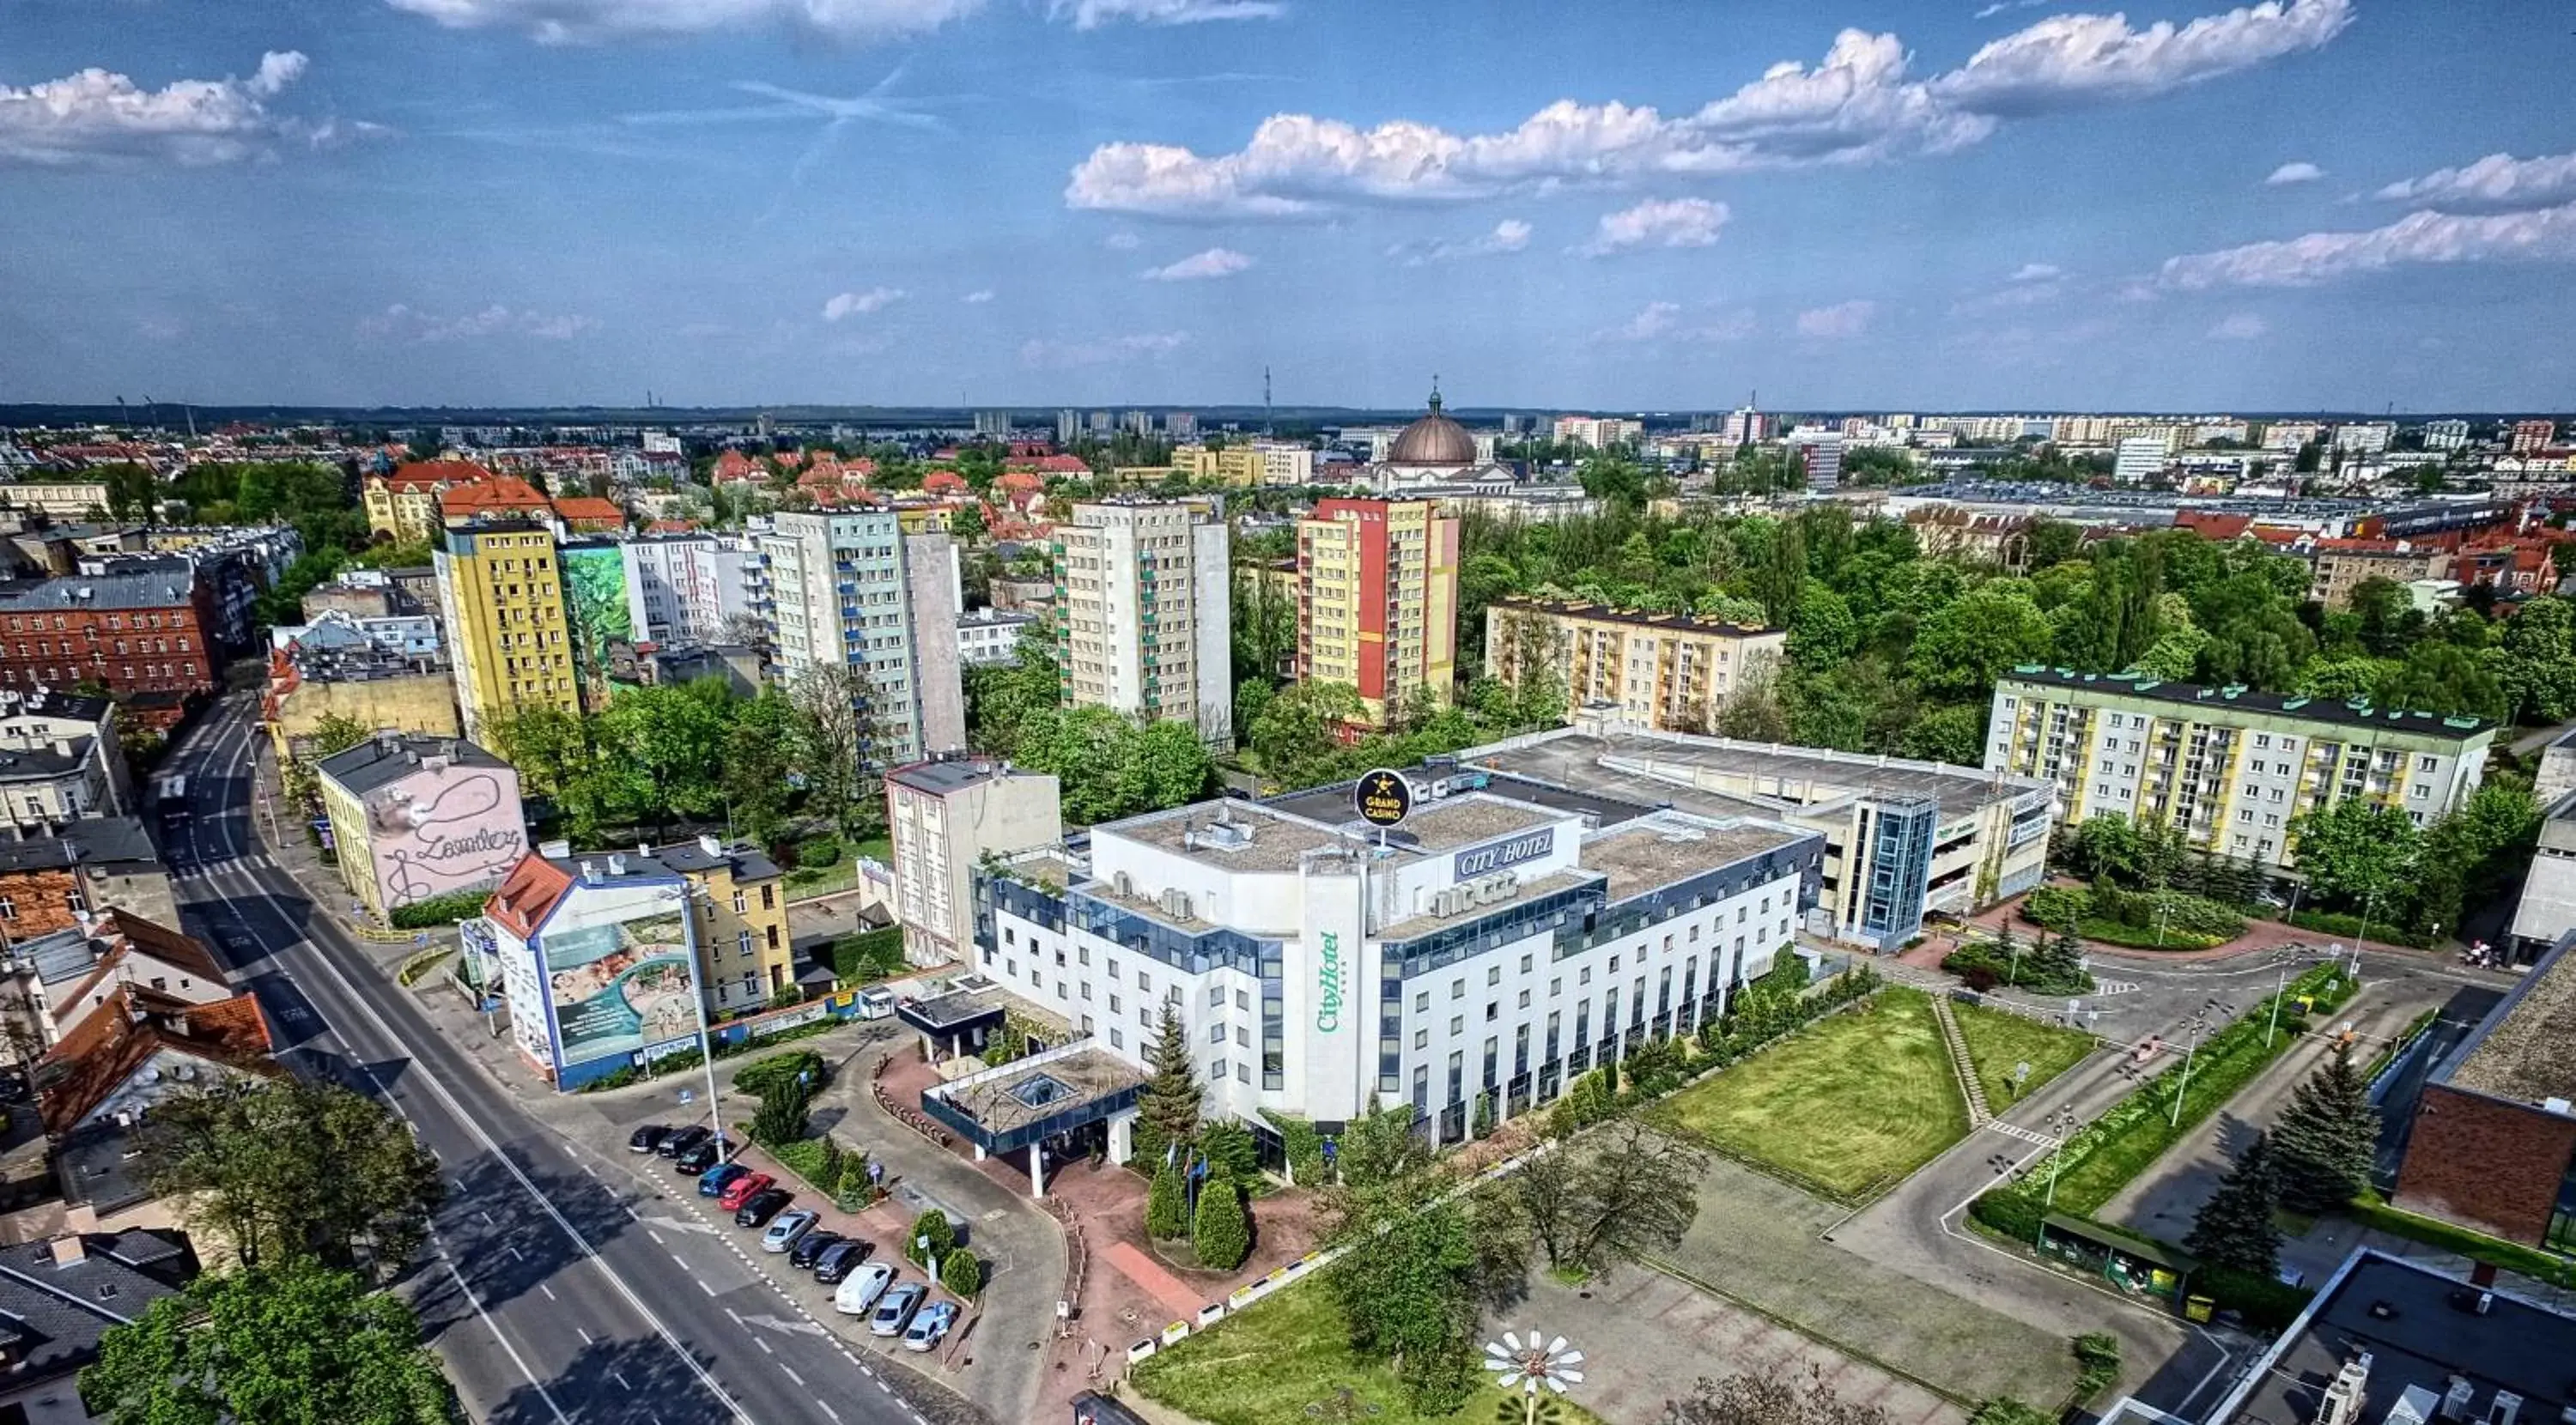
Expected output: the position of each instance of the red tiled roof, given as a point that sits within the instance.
(670, 526)
(527, 895)
(502, 494)
(589, 509)
(416, 474)
(117, 1040)
(942, 480)
(131, 933)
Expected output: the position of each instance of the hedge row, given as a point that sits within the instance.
(440, 910)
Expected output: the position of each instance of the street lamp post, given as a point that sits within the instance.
(2199, 1028)
(706, 1036)
(1524, 1366)
(2063, 1121)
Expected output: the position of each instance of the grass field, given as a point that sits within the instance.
(1291, 1351)
(1847, 1106)
(1999, 1040)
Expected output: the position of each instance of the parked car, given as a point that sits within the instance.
(715, 1180)
(809, 1248)
(762, 1206)
(839, 1260)
(743, 1187)
(895, 1311)
(931, 1326)
(682, 1140)
(861, 1290)
(647, 1138)
(788, 1226)
(704, 1156)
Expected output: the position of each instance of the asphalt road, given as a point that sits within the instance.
(555, 1290)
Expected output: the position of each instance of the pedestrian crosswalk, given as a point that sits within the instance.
(254, 861)
(2027, 1135)
(2115, 987)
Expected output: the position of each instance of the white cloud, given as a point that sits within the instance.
(1092, 14)
(977, 297)
(1199, 266)
(2035, 272)
(2297, 171)
(1122, 242)
(1509, 235)
(1654, 223)
(2239, 326)
(99, 116)
(1839, 320)
(402, 322)
(2497, 181)
(1045, 355)
(2545, 235)
(859, 304)
(1856, 105)
(2073, 58)
(1664, 321)
(558, 22)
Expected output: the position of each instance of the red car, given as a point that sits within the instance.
(743, 1187)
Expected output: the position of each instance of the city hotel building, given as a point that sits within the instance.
(1509, 935)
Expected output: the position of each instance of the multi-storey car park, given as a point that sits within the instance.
(1508, 936)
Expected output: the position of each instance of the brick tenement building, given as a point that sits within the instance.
(131, 633)
(2493, 1145)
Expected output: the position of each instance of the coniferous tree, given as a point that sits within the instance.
(1167, 1108)
(1222, 1235)
(2327, 1139)
(2234, 1228)
(2009, 952)
(1163, 1205)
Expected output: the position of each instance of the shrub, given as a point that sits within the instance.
(2350, 927)
(869, 955)
(2265, 1303)
(819, 852)
(962, 1274)
(1222, 1235)
(760, 1076)
(2004, 1410)
(784, 1116)
(1985, 965)
(933, 1226)
(440, 910)
(1303, 1146)
(2007, 1213)
(1230, 1144)
(2056, 906)
(2098, 1352)
(1163, 1205)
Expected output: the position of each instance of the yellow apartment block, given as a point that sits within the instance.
(500, 587)
(1666, 672)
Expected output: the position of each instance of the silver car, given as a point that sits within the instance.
(782, 1234)
(895, 1312)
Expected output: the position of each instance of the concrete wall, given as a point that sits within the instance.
(2485, 1162)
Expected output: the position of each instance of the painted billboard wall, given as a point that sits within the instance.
(594, 578)
(444, 828)
(625, 982)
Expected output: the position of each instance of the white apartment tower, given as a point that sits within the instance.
(1144, 623)
(852, 589)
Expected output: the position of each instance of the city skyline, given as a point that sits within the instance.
(1095, 202)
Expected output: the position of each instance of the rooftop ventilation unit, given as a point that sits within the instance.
(2505, 1409)
(2455, 1401)
(2342, 1401)
(2415, 1407)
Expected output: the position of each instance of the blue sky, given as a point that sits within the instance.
(2182, 205)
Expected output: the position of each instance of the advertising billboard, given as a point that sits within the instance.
(444, 828)
(603, 629)
(620, 987)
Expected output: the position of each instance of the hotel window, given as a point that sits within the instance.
(1116, 1039)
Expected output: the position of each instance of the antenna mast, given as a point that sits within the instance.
(1265, 401)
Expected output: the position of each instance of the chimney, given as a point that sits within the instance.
(62, 747)
(70, 1250)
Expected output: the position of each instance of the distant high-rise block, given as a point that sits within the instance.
(1145, 622)
(1377, 603)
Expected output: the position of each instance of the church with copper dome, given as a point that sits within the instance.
(1435, 450)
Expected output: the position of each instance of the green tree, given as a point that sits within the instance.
(1221, 1234)
(758, 755)
(2357, 853)
(1166, 1204)
(1823, 633)
(962, 1273)
(1636, 1190)
(1966, 647)
(785, 1114)
(1167, 1107)
(2235, 1228)
(1415, 1297)
(2325, 1141)
(931, 1235)
(289, 1344)
(289, 1168)
(839, 750)
(2539, 663)
(1296, 737)
(668, 744)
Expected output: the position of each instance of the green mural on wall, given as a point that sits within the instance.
(595, 602)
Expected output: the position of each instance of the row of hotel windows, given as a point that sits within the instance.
(23, 623)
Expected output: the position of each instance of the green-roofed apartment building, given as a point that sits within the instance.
(2231, 766)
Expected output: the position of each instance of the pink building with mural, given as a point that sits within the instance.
(414, 817)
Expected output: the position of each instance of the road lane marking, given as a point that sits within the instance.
(549, 1291)
(790, 1372)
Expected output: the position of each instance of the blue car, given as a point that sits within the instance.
(715, 1180)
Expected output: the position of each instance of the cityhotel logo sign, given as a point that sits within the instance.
(1330, 979)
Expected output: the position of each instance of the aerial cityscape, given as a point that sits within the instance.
(1238, 712)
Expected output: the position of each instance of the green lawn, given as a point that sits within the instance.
(1999, 1040)
(1291, 1351)
(1846, 1107)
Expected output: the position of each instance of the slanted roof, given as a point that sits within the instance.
(94, 839)
(499, 495)
(54, 1312)
(589, 509)
(527, 895)
(388, 757)
(132, 935)
(116, 1041)
(423, 474)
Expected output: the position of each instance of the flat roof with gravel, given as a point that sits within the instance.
(2526, 1050)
